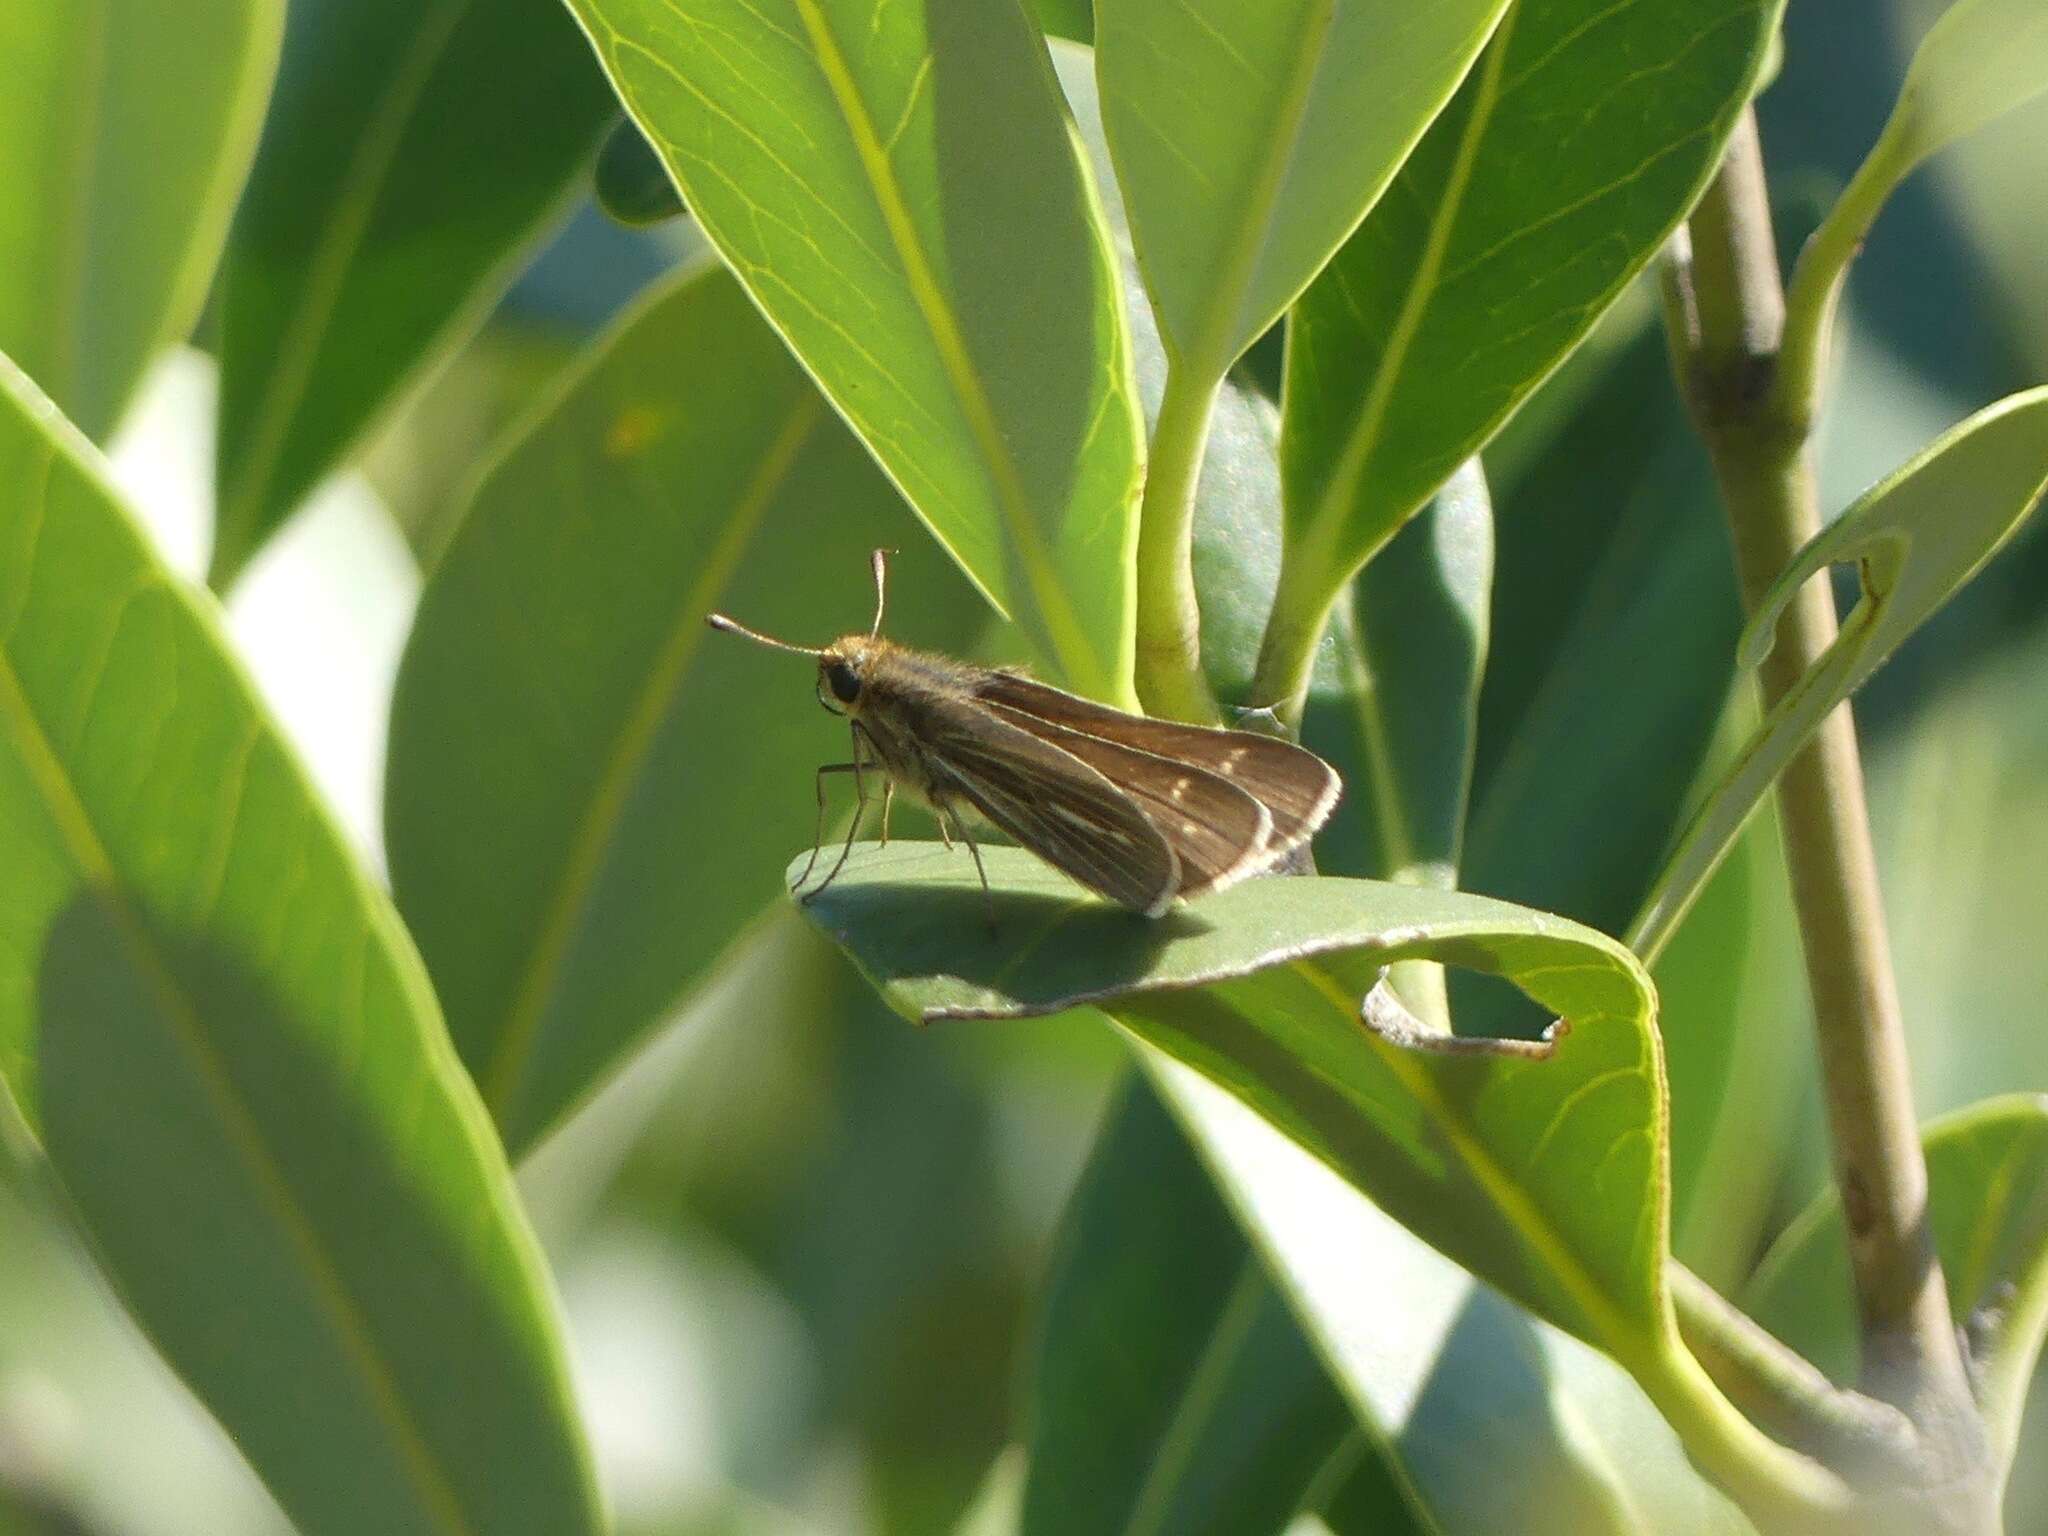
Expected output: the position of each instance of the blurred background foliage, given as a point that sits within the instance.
(799, 1244)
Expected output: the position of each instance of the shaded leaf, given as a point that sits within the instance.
(1070, 19)
(631, 183)
(126, 127)
(1916, 537)
(1987, 1202)
(233, 1058)
(1415, 644)
(1241, 150)
(1496, 1421)
(1580, 140)
(413, 154)
(567, 736)
(899, 190)
(1542, 1174)
(1190, 1407)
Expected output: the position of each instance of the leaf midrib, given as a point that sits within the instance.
(1068, 637)
(1199, 1394)
(1363, 437)
(350, 210)
(502, 1073)
(1255, 232)
(238, 1125)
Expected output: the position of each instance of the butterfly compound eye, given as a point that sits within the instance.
(840, 679)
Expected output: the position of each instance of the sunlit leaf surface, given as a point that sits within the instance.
(1579, 141)
(126, 127)
(224, 1041)
(899, 190)
(1241, 147)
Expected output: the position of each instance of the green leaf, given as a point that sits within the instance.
(568, 738)
(1242, 150)
(1488, 1413)
(1980, 60)
(1572, 151)
(1191, 1407)
(900, 191)
(1222, 1381)
(1916, 537)
(232, 1057)
(1987, 1202)
(414, 154)
(1733, 1000)
(1070, 19)
(1427, 610)
(1541, 1172)
(126, 127)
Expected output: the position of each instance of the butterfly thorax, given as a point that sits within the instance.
(891, 694)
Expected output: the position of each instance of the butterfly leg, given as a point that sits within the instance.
(818, 835)
(860, 790)
(988, 900)
(888, 799)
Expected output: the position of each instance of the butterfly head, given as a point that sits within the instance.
(844, 667)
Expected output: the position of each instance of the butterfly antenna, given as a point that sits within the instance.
(880, 560)
(734, 627)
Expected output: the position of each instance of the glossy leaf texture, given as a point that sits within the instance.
(1979, 60)
(1987, 1203)
(569, 739)
(229, 1052)
(1542, 1175)
(1916, 537)
(414, 154)
(1579, 141)
(1241, 147)
(126, 127)
(899, 189)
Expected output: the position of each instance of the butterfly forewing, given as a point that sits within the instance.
(1216, 830)
(1297, 788)
(1052, 803)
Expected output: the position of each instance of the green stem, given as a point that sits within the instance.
(1779, 1488)
(1778, 1388)
(1302, 605)
(1767, 485)
(1818, 277)
(1170, 679)
(1730, 310)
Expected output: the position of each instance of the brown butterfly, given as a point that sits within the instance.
(1141, 811)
